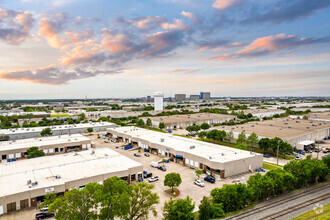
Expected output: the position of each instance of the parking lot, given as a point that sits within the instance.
(187, 187)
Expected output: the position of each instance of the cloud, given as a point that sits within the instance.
(270, 44)
(15, 26)
(185, 71)
(217, 45)
(161, 43)
(53, 75)
(50, 29)
(224, 4)
(192, 17)
(287, 11)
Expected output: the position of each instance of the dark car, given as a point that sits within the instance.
(210, 179)
(137, 155)
(147, 175)
(162, 168)
(147, 155)
(43, 215)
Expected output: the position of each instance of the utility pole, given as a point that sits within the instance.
(278, 146)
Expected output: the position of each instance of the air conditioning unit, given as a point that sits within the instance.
(58, 177)
(192, 147)
(34, 183)
(162, 140)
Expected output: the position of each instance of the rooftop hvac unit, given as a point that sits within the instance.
(210, 157)
(58, 177)
(93, 152)
(192, 147)
(34, 183)
(162, 140)
(29, 182)
(40, 139)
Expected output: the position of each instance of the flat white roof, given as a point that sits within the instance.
(70, 167)
(306, 142)
(41, 141)
(54, 128)
(212, 152)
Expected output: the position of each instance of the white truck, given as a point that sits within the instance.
(154, 164)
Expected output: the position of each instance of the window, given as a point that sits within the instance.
(56, 150)
(4, 157)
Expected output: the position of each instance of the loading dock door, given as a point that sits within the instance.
(11, 207)
(11, 156)
(24, 204)
(1, 209)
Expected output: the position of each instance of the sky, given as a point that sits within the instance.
(133, 48)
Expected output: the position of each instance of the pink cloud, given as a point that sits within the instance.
(224, 4)
(48, 29)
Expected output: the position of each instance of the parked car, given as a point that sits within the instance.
(236, 181)
(326, 150)
(199, 183)
(298, 158)
(137, 154)
(106, 141)
(147, 175)
(153, 179)
(43, 215)
(147, 155)
(210, 179)
(267, 156)
(162, 168)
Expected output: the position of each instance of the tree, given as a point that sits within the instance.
(241, 138)
(149, 123)
(232, 197)
(179, 209)
(242, 146)
(77, 204)
(161, 125)
(172, 180)
(208, 210)
(34, 152)
(230, 136)
(140, 123)
(326, 161)
(264, 144)
(199, 173)
(205, 126)
(90, 130)
(202, 134)
(305, 117)
(253, 140)
(46, 132)
(114, 198)
(141, 201)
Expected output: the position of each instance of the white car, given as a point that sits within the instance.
(199, 183)
(153, 179)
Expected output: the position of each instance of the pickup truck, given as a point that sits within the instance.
(326, 150)
(43, 215)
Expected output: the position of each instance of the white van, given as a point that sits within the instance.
(154, 164)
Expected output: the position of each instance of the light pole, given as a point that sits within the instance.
(278, 146)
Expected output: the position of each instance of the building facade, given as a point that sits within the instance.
(205, 95)
(158, 101)
(180, 97)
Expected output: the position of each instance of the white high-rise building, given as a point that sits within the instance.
(158, 101)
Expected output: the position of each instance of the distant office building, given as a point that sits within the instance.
(205, 95)
(158, 101)
(194, 97)
(180, 97)
(148, 98)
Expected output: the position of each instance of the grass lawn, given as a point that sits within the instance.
(318, 214)
(155, 129)
(59, 115)
(271, 166)
(181, 135)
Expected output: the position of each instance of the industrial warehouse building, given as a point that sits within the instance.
(16, 149)
(25, 183)
(182, 121)
(290, 130)
(21, 133)
(215, 159)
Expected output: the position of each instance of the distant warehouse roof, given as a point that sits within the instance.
(20, 133)
(42, 142)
